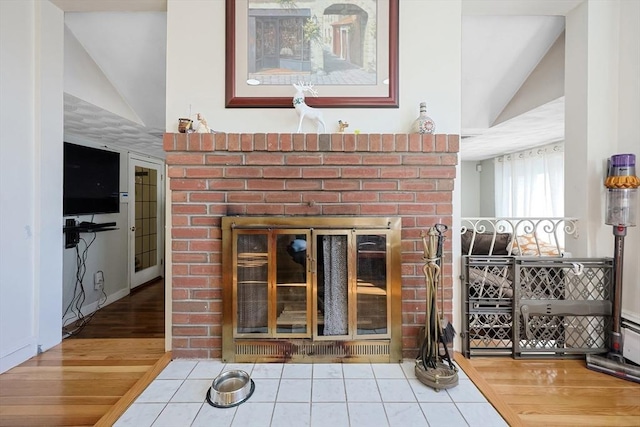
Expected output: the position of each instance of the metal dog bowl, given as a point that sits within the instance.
(230, 388)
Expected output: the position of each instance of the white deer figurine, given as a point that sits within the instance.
(303, 109)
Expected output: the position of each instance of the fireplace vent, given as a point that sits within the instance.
(307, 351)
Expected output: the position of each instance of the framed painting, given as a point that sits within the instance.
(348, 51)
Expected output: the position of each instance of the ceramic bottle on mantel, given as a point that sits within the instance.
(423, 124)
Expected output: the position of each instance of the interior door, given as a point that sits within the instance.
(145, 220)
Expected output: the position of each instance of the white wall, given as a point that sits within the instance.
(108, 253)
(196, 73)
(470, 189)
(602, 110)
(629, 142)
(30, 178)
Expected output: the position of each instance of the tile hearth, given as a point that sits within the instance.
(316, 395)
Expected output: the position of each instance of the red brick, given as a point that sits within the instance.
(441, 143)
(298, 142)
(388, 142)
(311, 141)
(438, 172)
(401, 144)
(400, 172)
(321, 197)
(453, 143)
(199, 221)
(421, 159)
(168, 141)
(176, 172)
(188, 209)
(281, 172)
(362, 172)
(265, 184)
(342, 159)
(259, 141)
(189, 331)
(286, 142)
(245, 197)
(362, 142)
(227, 184)
(193, 142)
(282, 197)
(303, 184)
(181, 142)
(265, 210)
(242, 172)
(378, 185)
(304, 209)
(379, 209)
(359, 197)
(341, 209)
(221, 142)
(178, 220)
(349, 142)
(385, 159)
(415, 142)
(207, 144)
(341, 184)
(204, 269)
(397, 197)
(208, 196)
(206, 294)
(301, 159)
(246, 142)
(188, 233)
(202, 245)
(190, 306)
(233, 142)
(337, 142)
(261, 158)
(223, 159)
(375, 142)
(184, 159)
(428, 143)
(324, 172)
(179, 196)
(188, 184)
(272, 141)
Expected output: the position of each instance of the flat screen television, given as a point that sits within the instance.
(91, 180)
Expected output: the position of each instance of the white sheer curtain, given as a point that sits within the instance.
(530, 183)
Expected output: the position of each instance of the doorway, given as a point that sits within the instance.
(146, 239)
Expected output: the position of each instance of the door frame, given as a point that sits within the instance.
(133, 160)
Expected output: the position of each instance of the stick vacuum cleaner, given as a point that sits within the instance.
(622, 196)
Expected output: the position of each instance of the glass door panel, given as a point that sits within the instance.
(252, 276)
(292, 284)
(331, 256)
(372, 285)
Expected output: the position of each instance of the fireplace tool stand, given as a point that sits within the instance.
(434, 367)
(622, 185)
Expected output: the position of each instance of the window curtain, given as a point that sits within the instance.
(530, 183)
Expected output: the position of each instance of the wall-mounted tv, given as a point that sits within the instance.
(91, 180)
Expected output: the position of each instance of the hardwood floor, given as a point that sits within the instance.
(554, 392)
(92, 380)
(138, 315)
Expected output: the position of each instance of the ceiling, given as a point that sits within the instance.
(508, 61)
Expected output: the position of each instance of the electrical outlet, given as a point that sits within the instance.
(98, 281)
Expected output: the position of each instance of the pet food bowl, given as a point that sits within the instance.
(230, 388)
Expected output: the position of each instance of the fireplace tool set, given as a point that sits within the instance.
(434, 367)
(622, 198)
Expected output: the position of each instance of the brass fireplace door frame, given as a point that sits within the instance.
(308, 345)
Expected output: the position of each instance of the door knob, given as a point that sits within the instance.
(133, 228)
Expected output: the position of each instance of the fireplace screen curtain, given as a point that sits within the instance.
(335, 283)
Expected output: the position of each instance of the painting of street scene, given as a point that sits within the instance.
(323, 42)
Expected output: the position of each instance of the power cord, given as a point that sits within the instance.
(79, 295)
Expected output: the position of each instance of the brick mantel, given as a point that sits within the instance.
(214, 175)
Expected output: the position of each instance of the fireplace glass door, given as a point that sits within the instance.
(324, 284)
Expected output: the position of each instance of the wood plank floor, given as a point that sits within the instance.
(554, 392)
(91, 380)
(88, 381)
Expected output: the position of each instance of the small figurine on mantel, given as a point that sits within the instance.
(202, 125)
(303, 109)
(342, 126)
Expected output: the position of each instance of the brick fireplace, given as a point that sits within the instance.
(409, 176)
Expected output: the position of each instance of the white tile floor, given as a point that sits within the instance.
(317, 395)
